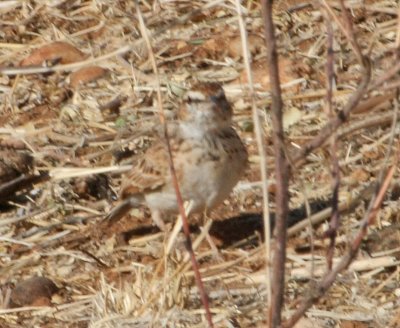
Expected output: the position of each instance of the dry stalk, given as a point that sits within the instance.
(331, 233)
(9, 188)
(260, 147)
(345, 26)
(329, 278)
(321, 216)
(344, 114)
(369, 217)
(185, 223)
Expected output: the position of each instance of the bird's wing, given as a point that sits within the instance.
(149, 173)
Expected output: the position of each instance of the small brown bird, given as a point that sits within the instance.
(209, 159)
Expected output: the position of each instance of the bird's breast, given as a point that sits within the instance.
(207, 169)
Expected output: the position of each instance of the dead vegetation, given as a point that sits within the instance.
(78, 117)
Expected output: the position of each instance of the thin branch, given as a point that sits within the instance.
(340, 118)
(384, 179)
(330, 277)
(179, 198)
(335, 216)
(345, 206)
(330, 129)
(344, 114)
(281, 171)
(346, 26)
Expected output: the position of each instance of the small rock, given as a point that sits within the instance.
(35, 291)
(86, 75)
(63, 52)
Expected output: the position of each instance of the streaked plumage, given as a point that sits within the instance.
(208, 154)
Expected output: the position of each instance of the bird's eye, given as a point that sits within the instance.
(220, 96)
(194, 96)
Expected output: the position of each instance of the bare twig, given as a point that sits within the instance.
(329, 278)
(281, 171)
(340, 118)
(179, 199)
(334, 222)
(326, 132)
(260, 146)
(343, 115)
(346, 26)
(371, 214)
(323, 215)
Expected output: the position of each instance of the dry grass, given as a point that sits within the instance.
(123, 276)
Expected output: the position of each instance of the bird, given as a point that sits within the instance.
(208, 155)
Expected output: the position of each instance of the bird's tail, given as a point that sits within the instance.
(119, 211)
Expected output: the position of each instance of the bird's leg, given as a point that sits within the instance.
(205, 216)
(206, 222)
(157, 218)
